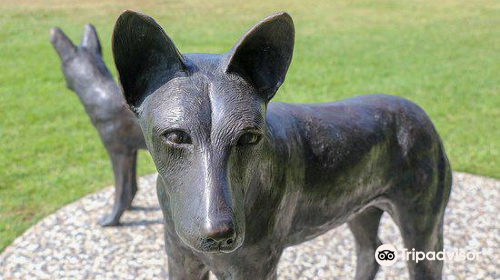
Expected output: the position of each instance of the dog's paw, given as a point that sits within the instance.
(109, 221)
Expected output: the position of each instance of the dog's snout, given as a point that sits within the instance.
(220, 231)
(219, 235)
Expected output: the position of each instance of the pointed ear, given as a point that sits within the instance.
(90, 40)
(62, 44)
(263, 54)
(145, 56)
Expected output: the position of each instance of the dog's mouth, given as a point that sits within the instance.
(208, 246)
(219, 247)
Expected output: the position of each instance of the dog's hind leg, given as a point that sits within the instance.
(424, 233)
(133, 182)
(364, 227)
(420, 220)
(124, 170)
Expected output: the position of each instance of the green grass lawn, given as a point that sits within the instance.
(443, 55)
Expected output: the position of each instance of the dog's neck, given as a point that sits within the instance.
(271, 180)
(100, 98)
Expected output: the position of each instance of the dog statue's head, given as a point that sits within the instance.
(203, 118)
(82, 65)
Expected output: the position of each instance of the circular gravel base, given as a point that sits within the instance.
(70, 245)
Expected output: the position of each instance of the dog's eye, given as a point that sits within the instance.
(249, 138)
(177, 138)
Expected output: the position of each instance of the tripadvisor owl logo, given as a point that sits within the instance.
(386, 255)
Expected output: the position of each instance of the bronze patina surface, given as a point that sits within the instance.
(241, 178)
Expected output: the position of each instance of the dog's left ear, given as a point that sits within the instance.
(62, 44)
(90, 40)
(145, 57)
(262, 56)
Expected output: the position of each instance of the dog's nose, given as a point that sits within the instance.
(219, 235)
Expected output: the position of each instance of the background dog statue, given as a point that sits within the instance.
(240, 178)
(87, 75)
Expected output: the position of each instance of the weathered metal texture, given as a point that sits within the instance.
(240, 178)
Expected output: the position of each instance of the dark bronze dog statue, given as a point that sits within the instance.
(240, 179)
(87, 75)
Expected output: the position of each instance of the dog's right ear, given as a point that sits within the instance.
(145, 57)
(90, 40)
(62, 44)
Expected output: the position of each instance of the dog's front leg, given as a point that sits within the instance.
(182, 263)
(124, 170)
(184, 267)
(245, 272)
(258, 261)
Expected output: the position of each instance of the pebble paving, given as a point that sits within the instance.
(70, 245)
